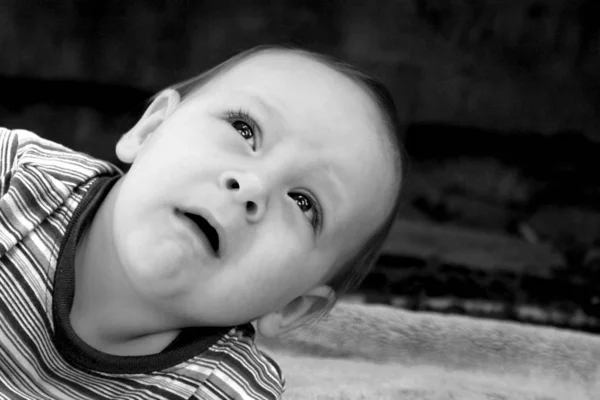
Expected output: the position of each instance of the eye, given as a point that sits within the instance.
(245, 125)
(310, 207)
(246, 131)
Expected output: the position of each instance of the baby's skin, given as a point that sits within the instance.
(283, 156)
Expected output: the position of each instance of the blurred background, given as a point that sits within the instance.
(500, 100)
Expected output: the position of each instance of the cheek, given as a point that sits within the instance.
(208, 128)
(371, 205)
(350, 235)
(215, 145)
(283, 258)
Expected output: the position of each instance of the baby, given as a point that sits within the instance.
(259, 192)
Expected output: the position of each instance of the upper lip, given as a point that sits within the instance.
(209, 226)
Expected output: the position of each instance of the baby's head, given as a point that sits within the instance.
(262, 189)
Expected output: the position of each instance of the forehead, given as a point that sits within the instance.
(330, 124)
(302, 83)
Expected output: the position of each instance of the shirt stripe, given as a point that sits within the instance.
(41, 185)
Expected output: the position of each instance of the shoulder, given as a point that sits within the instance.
(69, 166)
(9, 144)
(25, 154)
(37, 177)
(19, 145)
(244, 372)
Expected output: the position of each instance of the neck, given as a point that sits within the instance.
(106, 313)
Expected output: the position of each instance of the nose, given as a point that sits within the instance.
(248, 190)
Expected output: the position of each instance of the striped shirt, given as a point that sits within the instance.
(47, 194)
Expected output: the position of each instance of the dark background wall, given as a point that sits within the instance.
(500, 100)
(526, 65)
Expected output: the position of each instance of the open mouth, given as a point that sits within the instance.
(206, 228)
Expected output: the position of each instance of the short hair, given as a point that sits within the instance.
(354, 270)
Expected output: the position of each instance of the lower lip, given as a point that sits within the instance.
(198, 234)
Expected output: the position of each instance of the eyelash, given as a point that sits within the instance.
(245, 117)
(317, 221)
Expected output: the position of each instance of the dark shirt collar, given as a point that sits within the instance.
(190, 342)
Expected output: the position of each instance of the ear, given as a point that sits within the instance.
(297, 312)
(160, 109)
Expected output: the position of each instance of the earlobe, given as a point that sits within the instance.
(160, 109)
(297, 312)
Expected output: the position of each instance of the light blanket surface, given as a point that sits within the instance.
(379, 352)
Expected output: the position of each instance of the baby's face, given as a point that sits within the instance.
(284, 157)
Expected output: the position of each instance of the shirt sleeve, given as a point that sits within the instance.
(28, 192)
(8, 158)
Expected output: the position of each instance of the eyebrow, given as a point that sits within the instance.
(267, 107)
(332, 180)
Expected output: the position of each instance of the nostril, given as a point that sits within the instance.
(232, 184)
(251, 207)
